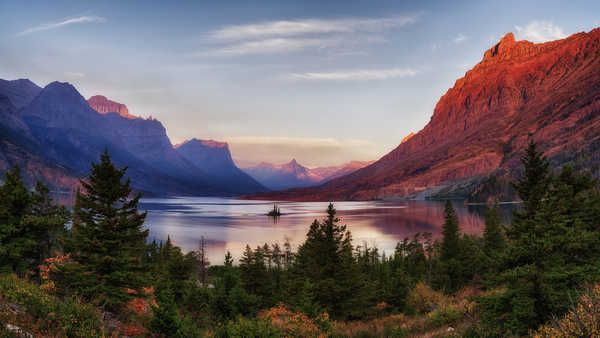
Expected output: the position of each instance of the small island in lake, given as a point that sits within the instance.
(275, 212)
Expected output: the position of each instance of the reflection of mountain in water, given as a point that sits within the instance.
(230, 224)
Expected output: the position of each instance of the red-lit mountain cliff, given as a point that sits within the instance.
(104, 106)
(520, 92)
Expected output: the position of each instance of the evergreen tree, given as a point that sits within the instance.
(15, 243)
(493, 235)
(554, 248)
(29, 224)
(107, 242)
(228, 259)
(533, 186)
(450, 274)
(166, 321)
(450, 233)
(326, 260)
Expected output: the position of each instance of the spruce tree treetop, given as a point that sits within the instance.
(534, 183)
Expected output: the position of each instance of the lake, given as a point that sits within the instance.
(230, 224)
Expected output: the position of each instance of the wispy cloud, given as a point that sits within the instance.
(297, 35)
(54, 25)
(461, 38)
(311, 26)
(357, 75)
(267, 46)
(540, 31)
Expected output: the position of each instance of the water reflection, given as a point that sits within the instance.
(230, 224)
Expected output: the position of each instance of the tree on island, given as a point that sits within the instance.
(107, 241)
(276, 212)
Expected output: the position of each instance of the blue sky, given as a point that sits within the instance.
(320, 81)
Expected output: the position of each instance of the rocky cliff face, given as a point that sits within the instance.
(104, 106)
(520, 92)
(214, 159)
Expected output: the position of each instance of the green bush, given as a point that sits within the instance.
(444, 315)
(66, 317)
(248, 328)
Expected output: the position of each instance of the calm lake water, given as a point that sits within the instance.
(230, 224)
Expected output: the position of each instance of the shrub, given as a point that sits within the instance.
(423, 299)
(296, 324)
(582, 321)
(63, 317)
(444, 315)
(248, 328)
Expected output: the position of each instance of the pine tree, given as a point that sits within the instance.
(533, 186)
(15, 243)
(29, 224)
(228, 259)
(450, 233)
(493, 235)
(166, 321)
(325, 259)
(554, 247)
(107, 242)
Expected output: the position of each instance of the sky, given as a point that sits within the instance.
(324, 82)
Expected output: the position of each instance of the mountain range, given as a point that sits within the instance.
(294, 175)
(520, 92)
(54, 134)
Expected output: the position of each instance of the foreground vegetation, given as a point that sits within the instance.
(99, 277)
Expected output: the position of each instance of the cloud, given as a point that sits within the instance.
(358, 75)
(461, 38)
(310, 26)
(345, 46)
(297, 35)
(540, 31)
(267, 46)
(48, 26)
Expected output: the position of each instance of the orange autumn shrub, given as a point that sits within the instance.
(582, 321)
(133, 330)
(142, 306)
(49, 266)
(296, 324)
(424, 299)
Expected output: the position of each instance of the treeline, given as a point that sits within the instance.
(527, 272)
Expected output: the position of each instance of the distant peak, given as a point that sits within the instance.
(59, 85)
(293, 162)
(205, 143)
(104, 106)
(508, 38)
(62, 88)
(508, 48)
